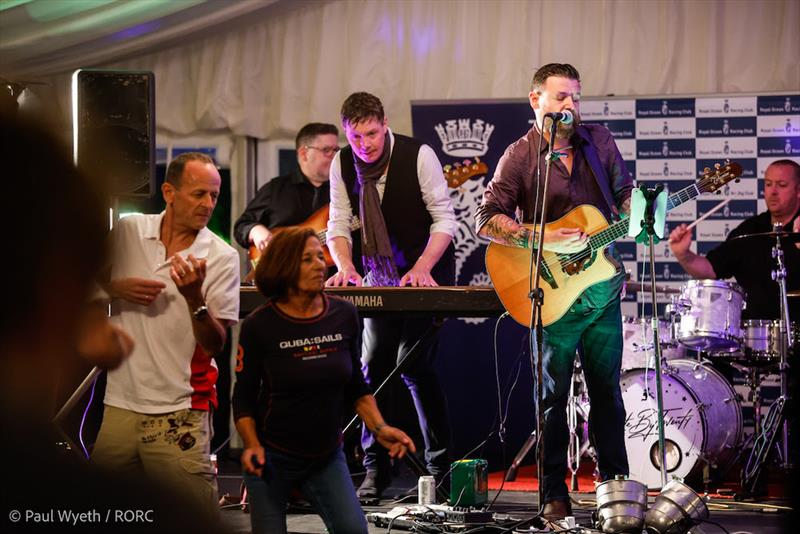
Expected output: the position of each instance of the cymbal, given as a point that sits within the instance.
(633, 286)
(791, 237)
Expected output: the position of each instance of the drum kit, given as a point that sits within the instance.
(702, 417)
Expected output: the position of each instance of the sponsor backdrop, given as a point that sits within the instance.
(663, 140)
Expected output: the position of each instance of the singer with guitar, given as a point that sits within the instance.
(590, 171)
(295, 199)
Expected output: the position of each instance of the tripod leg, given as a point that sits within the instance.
(762, 447)
(511, 474)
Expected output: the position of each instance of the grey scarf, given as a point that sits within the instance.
(376, 249)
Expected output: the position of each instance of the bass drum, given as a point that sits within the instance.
(702, 420)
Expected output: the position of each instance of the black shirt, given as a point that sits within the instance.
(750, 262)
(298, 378)
(287, 200)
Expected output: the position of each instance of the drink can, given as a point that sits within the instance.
(213, 460)
(426, 490)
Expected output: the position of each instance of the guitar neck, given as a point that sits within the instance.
(620, 229)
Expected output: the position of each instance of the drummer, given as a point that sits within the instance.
(749, 259)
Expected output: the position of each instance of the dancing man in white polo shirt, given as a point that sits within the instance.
(175, 288)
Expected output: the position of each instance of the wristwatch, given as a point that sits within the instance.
(200, 312)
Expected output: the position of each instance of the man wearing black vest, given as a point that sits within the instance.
(396, 186)
(589, 170)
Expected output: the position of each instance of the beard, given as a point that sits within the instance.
(563, 131)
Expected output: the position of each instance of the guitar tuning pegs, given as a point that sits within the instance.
(717, 166)
(466, 162)
(447, 168)
(477, 159)
(706, 170)
(457, 165)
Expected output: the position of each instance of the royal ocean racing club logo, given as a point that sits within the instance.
(466, 138)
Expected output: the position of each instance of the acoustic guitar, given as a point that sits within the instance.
(565, 276)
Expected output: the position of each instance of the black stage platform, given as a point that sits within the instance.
(763, 517)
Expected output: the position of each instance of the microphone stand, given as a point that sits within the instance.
(536, 295)
(648, 226)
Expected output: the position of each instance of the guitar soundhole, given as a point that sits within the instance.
(575, 267)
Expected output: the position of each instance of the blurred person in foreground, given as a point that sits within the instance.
(298, 370)
(49, 329)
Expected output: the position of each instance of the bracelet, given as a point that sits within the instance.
(378, 428)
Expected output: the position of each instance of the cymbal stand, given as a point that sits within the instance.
(776, 421)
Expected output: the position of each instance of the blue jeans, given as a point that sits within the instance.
(386, 342)
(325, 482)
(598, 332)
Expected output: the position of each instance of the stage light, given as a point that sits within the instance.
(676, 509)
(621, 505)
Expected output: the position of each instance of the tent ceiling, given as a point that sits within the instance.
(45, 37)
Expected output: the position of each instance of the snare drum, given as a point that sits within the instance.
(708, 315)
(762, 338)
(637, 343)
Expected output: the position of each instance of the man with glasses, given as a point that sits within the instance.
(290, 199)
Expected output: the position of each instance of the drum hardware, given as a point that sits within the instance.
(637, 343)
(776, 422)
(576, 406)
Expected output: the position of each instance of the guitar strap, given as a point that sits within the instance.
(599, 172)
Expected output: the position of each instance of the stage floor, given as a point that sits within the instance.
(763, 517)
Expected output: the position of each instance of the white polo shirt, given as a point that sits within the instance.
(167, 370)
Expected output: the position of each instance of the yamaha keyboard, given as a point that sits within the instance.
(443, 301)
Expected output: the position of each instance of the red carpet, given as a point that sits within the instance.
(527, 481)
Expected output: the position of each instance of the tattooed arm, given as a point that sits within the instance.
(502, 197)
(504, 230)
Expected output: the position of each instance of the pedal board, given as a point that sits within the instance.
(468, 516)
(444, 518)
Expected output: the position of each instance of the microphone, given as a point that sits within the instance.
(565, 117)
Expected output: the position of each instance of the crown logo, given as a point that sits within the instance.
(465, 138)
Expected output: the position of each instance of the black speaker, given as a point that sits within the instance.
(114, 128)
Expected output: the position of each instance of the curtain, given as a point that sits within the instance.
(270, 75)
